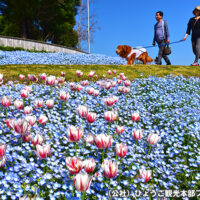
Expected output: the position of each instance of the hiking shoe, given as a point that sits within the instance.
(195, 64)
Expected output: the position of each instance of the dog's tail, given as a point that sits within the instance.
(149, 59)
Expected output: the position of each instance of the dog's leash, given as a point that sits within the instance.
(159, 45)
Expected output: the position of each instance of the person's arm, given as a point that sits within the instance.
(166, 31)
(154, 38)
(189, 27)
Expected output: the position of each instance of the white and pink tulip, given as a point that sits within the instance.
(21, 126)
(3, 161)
(89, 165)
(74, 165)
(110, 116)
(146, 174)
(137, 134)
(64, 95)
(21, 77)
(3, 148)
(82, 182)
(38, 103)
(27, 137)
(43, 152)
(91, 74)
(50, 103)
(74, 134)
(38, 139)
(90, 90)
(121, 150)
(24, 93)
(91, 117)
(50, 80)
(43, 76)
(135, 117)
(90, 138)
(31, 119)
(153, 139)
(103, 141)
(110, 168)
(19, 104)
(82, 111)
(28, 110)
(79, 73)
(42, 119)
(120, 129)
(6, 101)
(10, 122)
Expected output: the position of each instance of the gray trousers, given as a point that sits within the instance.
(196, 48)
(161, 53)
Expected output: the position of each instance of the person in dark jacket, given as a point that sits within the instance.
(161, 36)
(194, 25)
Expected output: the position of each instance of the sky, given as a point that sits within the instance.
(131, 22)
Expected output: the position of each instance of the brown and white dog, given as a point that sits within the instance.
(131, 54)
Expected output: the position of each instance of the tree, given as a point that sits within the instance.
(82, 24)
(45, 20)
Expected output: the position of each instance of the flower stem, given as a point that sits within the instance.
(62, 105)
(6, 112)
(109, 187)
(83, 147)
(120, 165)
(103, 152)
(149, 150)
(35, 191)
(76, 148)
(83, 196)
(45, 168)
(73, 191)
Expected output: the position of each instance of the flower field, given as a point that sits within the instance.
(78, 140)
(24, 57)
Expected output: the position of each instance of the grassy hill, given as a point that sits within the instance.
(11, 72)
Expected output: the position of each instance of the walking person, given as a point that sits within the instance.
(194, 25)
(161, 36)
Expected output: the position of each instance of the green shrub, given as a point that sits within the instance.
(3, 48)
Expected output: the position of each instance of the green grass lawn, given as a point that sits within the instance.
(11, 72)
